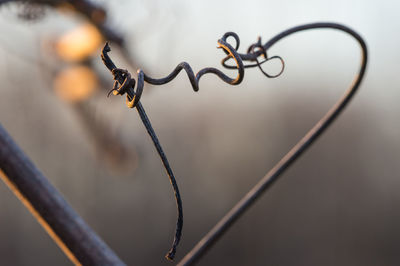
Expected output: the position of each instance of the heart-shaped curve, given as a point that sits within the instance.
(127, 85)
(271, 177)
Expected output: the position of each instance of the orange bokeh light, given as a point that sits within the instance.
(76, 83)
(79, 43)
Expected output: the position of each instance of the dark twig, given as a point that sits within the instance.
(76, 239)
(227, 221)
(252, 55)
(127, 85)
(179, 224)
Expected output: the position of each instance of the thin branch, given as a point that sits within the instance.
(75, 238)
(127, 85)
(266, 182)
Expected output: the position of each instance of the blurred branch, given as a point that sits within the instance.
(75, 238)
(109, 147)
(94, 13)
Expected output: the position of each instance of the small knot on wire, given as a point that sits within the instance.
(127, 84)
(259, 47)
(255, 48)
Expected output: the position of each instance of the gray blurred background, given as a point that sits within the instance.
(338, 205)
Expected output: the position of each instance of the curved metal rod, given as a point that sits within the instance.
(127, 85)
(228, 220)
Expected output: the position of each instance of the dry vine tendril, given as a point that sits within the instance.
(125, 84)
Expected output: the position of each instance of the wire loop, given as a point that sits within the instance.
(261, 51)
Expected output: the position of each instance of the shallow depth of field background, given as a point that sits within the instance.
(338, 205)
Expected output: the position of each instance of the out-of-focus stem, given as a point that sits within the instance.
(75, 238)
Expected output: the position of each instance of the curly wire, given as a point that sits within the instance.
(123, 77)
(251, 50)
(228, 220)
(194, 79)
(133, 100)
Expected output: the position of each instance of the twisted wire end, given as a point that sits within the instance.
(171, 254)
(106, 48)
(106, 59)
(124, 83)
